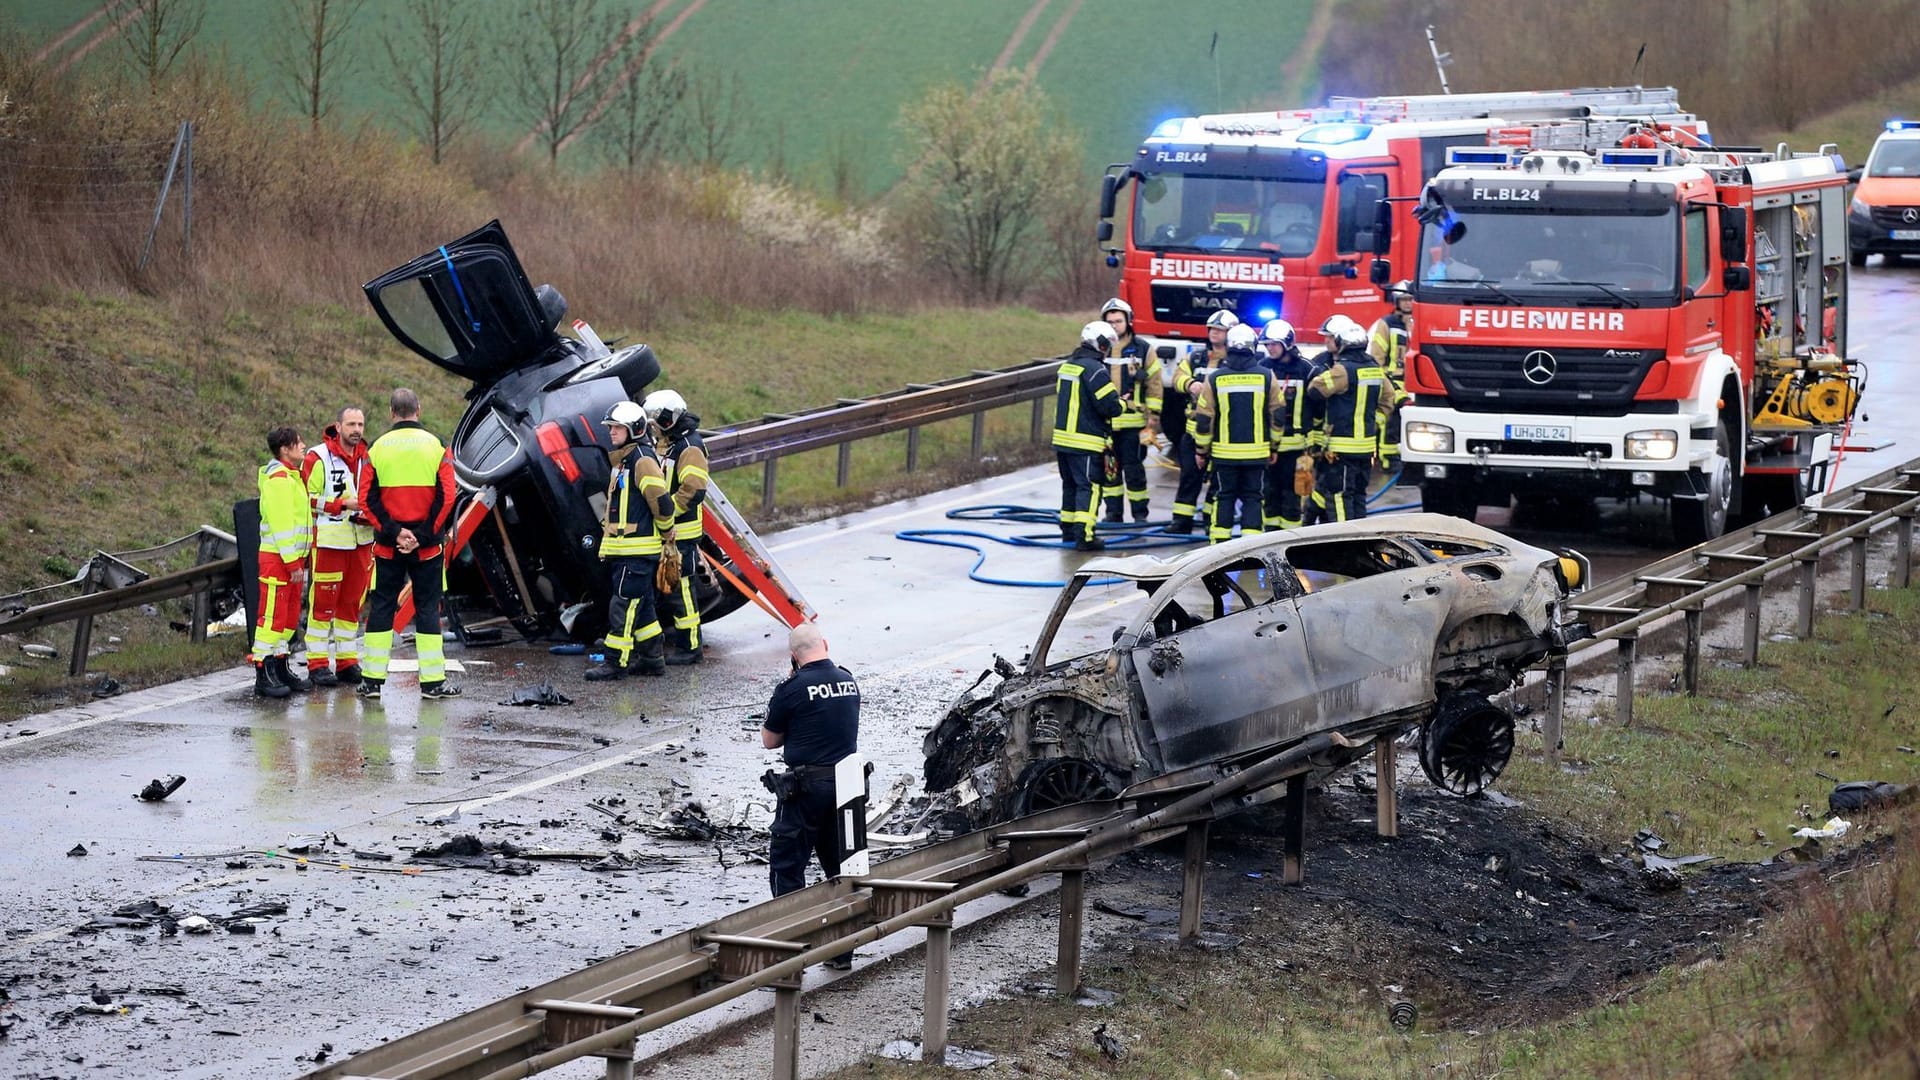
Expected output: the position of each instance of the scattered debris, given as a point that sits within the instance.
(77, 849)
(108, 687)
(538, 695)
(1115, 909)
(298, 844)
(1403, 1014)
(44, 652)
(1661, 862)
(196, 924)
(959, 1058)
(1857, 795)
(161, 787)
(1109, 1046)
(1648, 840)
(1833, 829)
(467, 852)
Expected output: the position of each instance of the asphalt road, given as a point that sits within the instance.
(364, 953)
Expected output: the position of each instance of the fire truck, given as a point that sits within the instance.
(1272, 213)
(1621, 310)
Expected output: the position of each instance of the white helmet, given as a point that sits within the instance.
(1241, 336)
(1335, 324)
(1343, 333)
(1278, 332)
(1098, 335)
(1222, 320)
(627, 415)
(1119, 305)
(665, 408)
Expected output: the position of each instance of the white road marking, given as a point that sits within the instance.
(222, 686)
(571, 774)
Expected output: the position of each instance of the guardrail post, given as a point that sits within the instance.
(933, 1030)
(1550, 729)
(1903, 552)
(769, 478)
(1623, 684)
(786, 1030)
(201, 606)
(1193, 887)
(913, 448)
(1073, 906)
(1386, 799)
(1039, 419)
(83, 626)
(1690, 659)
(1858, 564)
(1809, 585)
(843, 468)
(619, 1063)
(1751, 655)
(1293, 831)
(979, 434)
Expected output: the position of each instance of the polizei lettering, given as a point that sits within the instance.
(1218, 270)
(1506, 194)
(1533, 319)
(840, 689)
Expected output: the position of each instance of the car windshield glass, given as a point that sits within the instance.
(1103, 608)
(1554, 257)
(412, 312)
(1899, 157)
(1185, 211)
(1322, 566)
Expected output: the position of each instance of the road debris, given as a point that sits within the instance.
(467, 852)
(1856, 795)
(77, 850)
(160, 787)
(1834, 828)
(538, 695)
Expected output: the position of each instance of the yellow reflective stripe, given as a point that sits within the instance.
(693, 470)
(648, 544)
(650, 482)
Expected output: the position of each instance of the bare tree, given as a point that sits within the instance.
(307, 55)
(563, 56)
(436, 72)
(646, 113)
(713, 119)
(157, 31)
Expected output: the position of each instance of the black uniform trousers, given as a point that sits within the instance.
(1132, 458)
(392, 575)
(1284, 509)
(804, 826)
(1236, 498)
(1080, 479)
(1340, 488)
(631, 616)
(1193, 476)
(681, 605)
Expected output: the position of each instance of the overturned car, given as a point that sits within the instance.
(1178, 668)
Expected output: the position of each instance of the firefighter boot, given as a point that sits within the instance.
(648, 657)
(1140, 511)
(265, 684)
(348, 675)
(1182, 525)
(1114, 516)
(606, 671)
(294, 681)
(322, 676)
(681, 655)
(369, 687)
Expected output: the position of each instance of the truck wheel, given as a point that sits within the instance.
(1445, 497)
(1856, 258)
(1696, 521)
(1774, 493)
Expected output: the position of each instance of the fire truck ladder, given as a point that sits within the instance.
(1522, 105)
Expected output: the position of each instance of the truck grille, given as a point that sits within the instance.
(1893, 217)
(1585, 382)
(1538, 449)
(1193, 303)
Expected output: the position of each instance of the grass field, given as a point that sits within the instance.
(818, 79)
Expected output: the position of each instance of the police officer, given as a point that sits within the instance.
(1187, 377)
(1343, 420)
(683, 454)
(639, 510)
(1389, 340)
(1085, 404)
(1135, 371)
(1239, 411)
(813, 719)
(1285, 478)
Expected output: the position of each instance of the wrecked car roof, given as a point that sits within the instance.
(1439, 526)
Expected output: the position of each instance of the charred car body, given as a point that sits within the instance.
(1232, 652)
(533, 430)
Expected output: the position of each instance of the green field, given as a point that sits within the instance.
(816, 76)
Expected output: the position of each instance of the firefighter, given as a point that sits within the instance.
(1343, 422)
(1292, 369)
(1389, 340)
(1239, 410)
(1191, 372)
(286, 528)
(410, 501)
(335, 474)
(639, 511)
(1085, 405)
(1135, 372)
(683, 455)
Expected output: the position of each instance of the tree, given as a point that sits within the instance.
(713, 120)
(557, 76)
(435, 71)
(982, 168)
(645, 111)
(307, 56)
(158, 31)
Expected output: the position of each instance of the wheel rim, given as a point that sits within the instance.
(1466, 754)
(1719, 494)
(1066, 781)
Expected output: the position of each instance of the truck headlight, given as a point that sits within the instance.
(1658, 445)
(1858, 208)
(1424, 438)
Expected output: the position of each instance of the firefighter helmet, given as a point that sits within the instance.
(1403, 287)
(1222, 320)
(1343, 334)
(665, 408)
(627, 415)
(1119, 305)
(1242, 337)
(1335, 324)
(1098, 335)
(1278, 332)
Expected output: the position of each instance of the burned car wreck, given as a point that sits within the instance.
(1179, 668)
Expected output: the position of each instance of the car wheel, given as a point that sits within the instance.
(1467, 744)
(1699, 520)
(1053, 782)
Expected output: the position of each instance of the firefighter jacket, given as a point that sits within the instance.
(1136, 374)
(410, 486)
(286, 518)
(1343, 405)
(1192, 371)
(1388, 341)
(684, 457)
(334, 474)
(1084, 403)
(639, 507)
(1293, 372)
(1239, 411)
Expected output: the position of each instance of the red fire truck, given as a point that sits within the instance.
(1272, 213)
(1622, 314)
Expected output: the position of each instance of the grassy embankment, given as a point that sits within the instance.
(1828, 987)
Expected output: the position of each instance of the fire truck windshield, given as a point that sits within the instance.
(1183, 211)
(1549, 255)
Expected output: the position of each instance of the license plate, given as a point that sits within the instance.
(1539, 433)
(1905, 234)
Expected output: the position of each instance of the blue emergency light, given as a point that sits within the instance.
(1641, 159)
(1333, 134)
(1903, 125)
(1266, 314)
(1468, 155)
(1167, 129)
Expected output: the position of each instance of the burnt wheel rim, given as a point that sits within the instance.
(1469, 753)
(1065, 782)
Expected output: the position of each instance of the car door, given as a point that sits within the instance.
(467, 307)
(1371, 616)
(1234, 681)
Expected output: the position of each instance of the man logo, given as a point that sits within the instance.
(1539, 367)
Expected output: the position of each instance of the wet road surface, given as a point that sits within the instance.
(366, 952)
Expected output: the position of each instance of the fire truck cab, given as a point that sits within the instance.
(1621, 320)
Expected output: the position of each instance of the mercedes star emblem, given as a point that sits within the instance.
(1910, 215)
(1539, 367)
